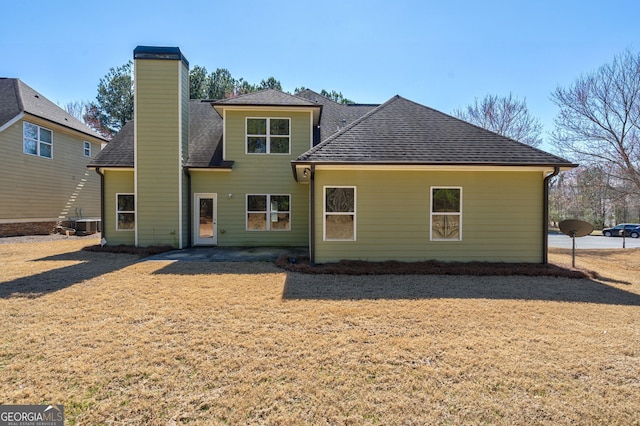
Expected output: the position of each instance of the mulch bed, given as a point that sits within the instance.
(355, 267)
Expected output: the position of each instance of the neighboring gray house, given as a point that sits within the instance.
(44, 152)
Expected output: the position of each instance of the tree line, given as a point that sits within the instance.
(597, 126)
(113, 105)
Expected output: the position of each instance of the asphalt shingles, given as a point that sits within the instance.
(17, 97)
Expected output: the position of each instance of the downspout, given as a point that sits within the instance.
(312, 216)
(189, 209)
(103, 225)
(545, 216)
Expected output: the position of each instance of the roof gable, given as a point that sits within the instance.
(267, 97)
(16, 97)
(401, 131)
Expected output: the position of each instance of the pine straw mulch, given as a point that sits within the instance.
(355, 267)
(303, 265)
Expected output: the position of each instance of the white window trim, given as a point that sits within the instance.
(267, 137)
(325, 213)
(135, 218)
(268, 212)
(37, 141)
(86, 146)
(431, 213)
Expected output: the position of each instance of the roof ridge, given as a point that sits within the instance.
(322, 96)
(16, 86)
(305, 99)
(352, 125)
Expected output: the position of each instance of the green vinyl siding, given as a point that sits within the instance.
(116, 182)
(258, 174)
(159, 152)
(184, 74)
(501, 216)
(235, 140)
(231, 224)
(47, 189)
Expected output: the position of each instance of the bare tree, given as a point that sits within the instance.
(599, 119)
(506, 115)
(76, 109)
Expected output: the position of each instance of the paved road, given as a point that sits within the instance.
(592, 242)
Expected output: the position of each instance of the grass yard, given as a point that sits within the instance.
(119, 341)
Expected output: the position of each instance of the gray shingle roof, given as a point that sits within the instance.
(205, 141)
(205, 136)
(267, 97)
(119, 151)
(335, 116)
(16, 97)
(401, 131)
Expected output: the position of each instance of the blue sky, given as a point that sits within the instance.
(439, 53)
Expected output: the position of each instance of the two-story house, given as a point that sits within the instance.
(373, 182)
(44, 151)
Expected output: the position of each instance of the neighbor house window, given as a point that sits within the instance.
(268, 135)
(268, 213)
(87, 149)
(340, 213)
(37, 140)
(446, 213)
(125, 212)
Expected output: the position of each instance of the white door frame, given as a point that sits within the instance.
(197, 239)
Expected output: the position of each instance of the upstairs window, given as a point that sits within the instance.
(268, 213)
(268, 135)
(87, 149)
(37, 140)
(446, 214)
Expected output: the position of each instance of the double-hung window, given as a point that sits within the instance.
(125, 212)
(446, 213)
(87, 149)
(268, 212)
(339, 213)
(37, 140)
(268, 135)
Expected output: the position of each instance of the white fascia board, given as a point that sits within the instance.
(434, 167)
(11, 122)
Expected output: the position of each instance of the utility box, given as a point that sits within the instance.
(87, 226)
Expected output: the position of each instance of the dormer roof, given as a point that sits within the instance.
(267, 99)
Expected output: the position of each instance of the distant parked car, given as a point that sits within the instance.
(630, 230)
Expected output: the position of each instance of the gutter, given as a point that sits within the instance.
(189, 208)
(103, 226)
(312, 216)
(545, 216)
(365, 163)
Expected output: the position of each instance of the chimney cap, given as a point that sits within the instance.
(159, 52)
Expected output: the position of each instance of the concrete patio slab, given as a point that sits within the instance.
(230, 254)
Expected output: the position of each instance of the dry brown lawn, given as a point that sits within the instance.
(117, 340)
